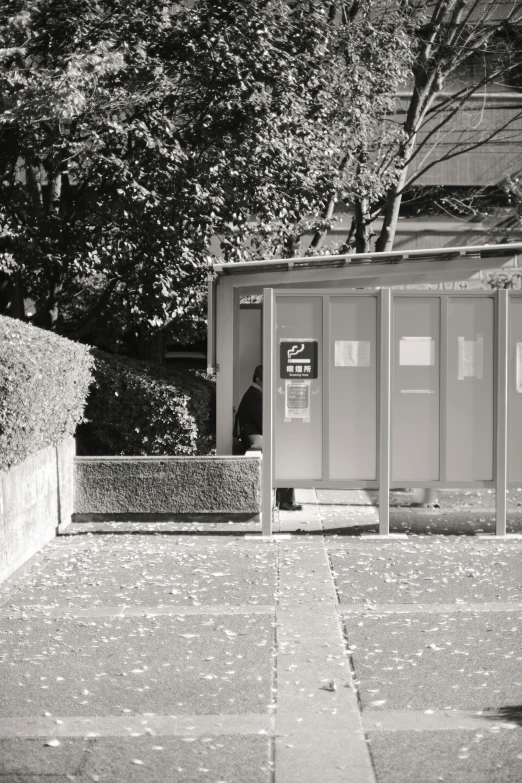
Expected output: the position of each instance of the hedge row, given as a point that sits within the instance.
(132, 408)
(136, 408)
(44, 381)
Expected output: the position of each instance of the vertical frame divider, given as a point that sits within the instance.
(326, 366)
(443, 387)
(384, 412)
(224, 323)
(267, 472)
(501, 411)
(236, 310)
(211, 324)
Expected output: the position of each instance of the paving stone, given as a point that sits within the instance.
(32, 759)
(137, 759)
(152, 571)
(483, 756)
(437, 571)
(113, 666)
(437, 662)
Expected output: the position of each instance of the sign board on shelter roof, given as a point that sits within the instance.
(298, 358)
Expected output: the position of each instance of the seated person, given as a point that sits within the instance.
(249, 421)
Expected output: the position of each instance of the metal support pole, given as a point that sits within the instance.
(267, 480)
(224, 319)
(211, 325)
(502, 410)
(236, 399)
(384, 413)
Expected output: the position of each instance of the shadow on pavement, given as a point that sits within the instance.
(173, 518)
(512, 714)
(157, 532)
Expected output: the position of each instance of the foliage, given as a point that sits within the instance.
(136, 408)
(44, 380)
(511, 226)
(506, 278)
(135, 135)
(132, 407)
(463, 48)
(132, 132)
(88, 151)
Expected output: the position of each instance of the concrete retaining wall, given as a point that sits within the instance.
(166, 485)
(36, 500)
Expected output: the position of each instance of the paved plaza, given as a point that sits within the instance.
(190, 651)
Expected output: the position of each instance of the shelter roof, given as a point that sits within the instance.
(483, 255)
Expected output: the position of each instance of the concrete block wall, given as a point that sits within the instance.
(166, 485)
(35, 502)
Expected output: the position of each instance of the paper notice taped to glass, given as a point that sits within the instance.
(471, 358)
(297, 400)
(417, 351)
(417, 391)
(352, 353)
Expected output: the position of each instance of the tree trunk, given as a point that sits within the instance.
(391, 214)
(363, 233)
(319, 236)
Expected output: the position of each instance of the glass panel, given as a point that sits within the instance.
(298, 397)
(470, 389)
(415, 436)
(353, 387)
(515, 389)
(250, 346)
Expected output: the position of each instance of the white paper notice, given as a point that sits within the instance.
(417, 391)
(297, 400)
(519, 368)
(471, 358)
(419, 351)
(352, 353)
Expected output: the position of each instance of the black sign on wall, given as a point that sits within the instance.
(298, 358)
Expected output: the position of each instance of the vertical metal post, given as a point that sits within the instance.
(502, 409)
(236, 319)
(326, 371)
(211, 326)
(267, 479)
(384, 412)
(443, 387)
(224, 318)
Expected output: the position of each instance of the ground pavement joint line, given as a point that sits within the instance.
(136, 725)
(319, 733)
(344, 609)
(65, 612)
(435, 720)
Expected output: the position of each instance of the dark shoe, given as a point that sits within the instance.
(291, 507)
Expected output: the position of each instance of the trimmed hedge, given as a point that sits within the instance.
(44, 382)
(139, 409)
(133, 408)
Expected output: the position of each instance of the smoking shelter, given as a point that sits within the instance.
(369, 386)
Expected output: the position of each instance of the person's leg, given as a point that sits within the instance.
(286, 499)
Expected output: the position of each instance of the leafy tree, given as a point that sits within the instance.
(131, 133)
(462, 47)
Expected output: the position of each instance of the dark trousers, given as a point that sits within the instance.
(285, 495)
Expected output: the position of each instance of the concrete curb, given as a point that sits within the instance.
(166, 485)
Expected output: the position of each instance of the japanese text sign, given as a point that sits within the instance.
(298, 358)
